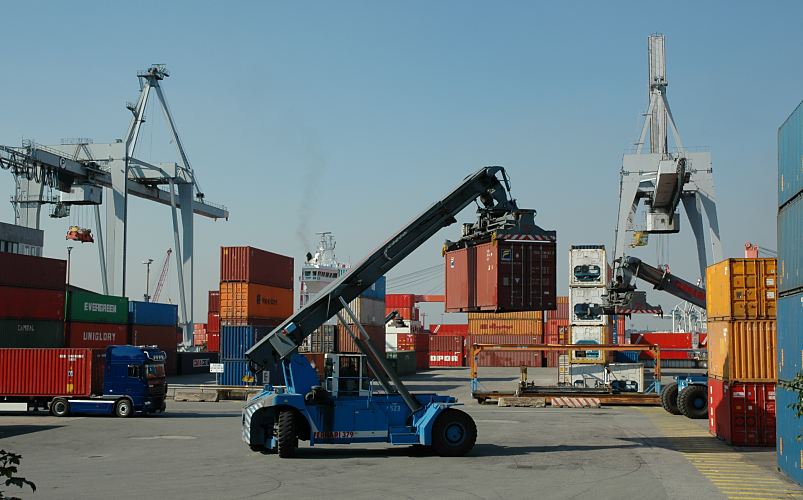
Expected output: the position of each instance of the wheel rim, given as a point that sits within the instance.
(124, 408)
(455, 433)
(60, 407)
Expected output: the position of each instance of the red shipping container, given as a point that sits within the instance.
(213, 341)
(421, 360)
(505, 358)
(449, 330)
(556, 331)
(162, 336)
(552, 359)
(213, 305)
(376, 333)
(31, 303)
(51, 372)
(742, 414)
(404, 313)
(96, 335)
(213, 323)
(673, 345)
(446, 350)
(32, 272)
(562, 311)
(400, 300)
(501, 276)
(439, 359)
(252, 265)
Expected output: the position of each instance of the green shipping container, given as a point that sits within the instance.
(31, 333)
(403, 362)
(88, 307)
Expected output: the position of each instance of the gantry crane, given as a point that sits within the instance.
(80, 171)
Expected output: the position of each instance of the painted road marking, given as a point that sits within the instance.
(726, 468)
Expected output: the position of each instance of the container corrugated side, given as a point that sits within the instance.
(505, 326)
(95, 335)
(31, 333)
(236, 372)
(31, 303)
(562, 308)
(152, 313)
(403, 300)
(376, 291)
(742, 414)
(252, 265)
(788, 426)
(790, 156)
(235, 340)
(742, 351)
(345, 344)
(162, 336)
(790, 339)
(243, 301)
(368, 311)
(505, 358)
(88, 307)
(532, 315)
(32, 272)
(449, 329)
(741, 289)
(459, 277)
(790, 249)
(49, 372)
(213, 302)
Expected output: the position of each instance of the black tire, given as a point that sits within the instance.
(693, 401)
(257, 448)
(60, 407)
(669, 398)
(454, 433)
(286, 435)
(123, 408)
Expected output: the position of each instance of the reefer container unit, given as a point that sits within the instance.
(243, 301)
(95, 335)
(584, 334)
(252, 265)
(152, 313)
(742, 351)
(213, 302)
(235, 340)
(741, 289)
(790, 253)
(88, 307)
(345, 344)
(445, 350)
(588, 266)
(788, 425)
(742, 414)
(32, 272)
(789, 337)
(505, 358)
(585, 306)
(501, 276)
(505, 326)
(31, 303)
(31, 333)
(790, 156)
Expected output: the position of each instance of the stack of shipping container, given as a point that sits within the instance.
(447, 345)
(213, 322)
(588, 277)
(369, 308)
(740, 302)
(790, 290)
(256, 295)
(404, 304)
(523, 328)
(97, 321)
(556, 329)
(31, 301)
(406, 335)
(152, 323)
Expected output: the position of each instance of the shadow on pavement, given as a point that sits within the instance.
(692, 444)
(18, 430)
(195, 414)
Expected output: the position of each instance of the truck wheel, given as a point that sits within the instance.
(59, 407)
(454, 433)
(286, 436)
(669, 398)
(693, 401)
(123, 408)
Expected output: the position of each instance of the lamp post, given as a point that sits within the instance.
(69, 251)
(147, 278)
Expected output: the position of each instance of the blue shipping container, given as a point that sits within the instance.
(236, 372)
(235, 340)
(152, 313)
(788, 427)
(790, 241)
(377, 290)
(790, 336)
(790, 156)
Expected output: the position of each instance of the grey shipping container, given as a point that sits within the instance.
(790, 247)
(790, 156)
(31, 333)
(402, 362)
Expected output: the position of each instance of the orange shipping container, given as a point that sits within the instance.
(505, 327)
(742, 351)
(506, 315)
(741, 289)
(242, 301)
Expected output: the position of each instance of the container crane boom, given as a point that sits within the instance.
(162, 276)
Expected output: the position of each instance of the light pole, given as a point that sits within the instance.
(69, 251)
(147, 278)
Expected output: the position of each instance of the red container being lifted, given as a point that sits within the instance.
(32, 272)
(31, 303)
(252, 265)
(502, 276)
(49, 372)
(742, 414)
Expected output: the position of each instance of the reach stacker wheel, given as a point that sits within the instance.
(693, 402)
(123, 408)
(59, 407)
(669, 398)
(454, 433)
(286, 436)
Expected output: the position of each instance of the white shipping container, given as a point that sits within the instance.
(588, 266)
(585, 306)
(408, 327)
(624, 372)
(588, 334)
(588, 376)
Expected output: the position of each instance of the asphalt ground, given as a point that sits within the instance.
(195, 451)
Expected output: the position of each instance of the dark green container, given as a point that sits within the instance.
(31, 333)
(402, 362)
(88, 307)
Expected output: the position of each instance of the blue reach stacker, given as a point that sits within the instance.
(344, 408)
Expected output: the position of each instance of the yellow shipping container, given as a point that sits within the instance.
(505, 326)
(741, 289)
(742, 350)
(507, 315)
(240, 301)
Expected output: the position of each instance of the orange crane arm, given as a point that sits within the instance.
(162, 277)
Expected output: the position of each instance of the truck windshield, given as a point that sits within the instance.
(155, 371)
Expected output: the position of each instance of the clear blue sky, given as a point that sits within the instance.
(354, 116)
